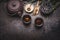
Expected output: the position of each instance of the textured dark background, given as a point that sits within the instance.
(12, 28)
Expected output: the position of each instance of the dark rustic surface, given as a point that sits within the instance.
(12, 28)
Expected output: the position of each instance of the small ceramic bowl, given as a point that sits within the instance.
(26, 19)
(39, 22)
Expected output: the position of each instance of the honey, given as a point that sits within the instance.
(27, 19)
